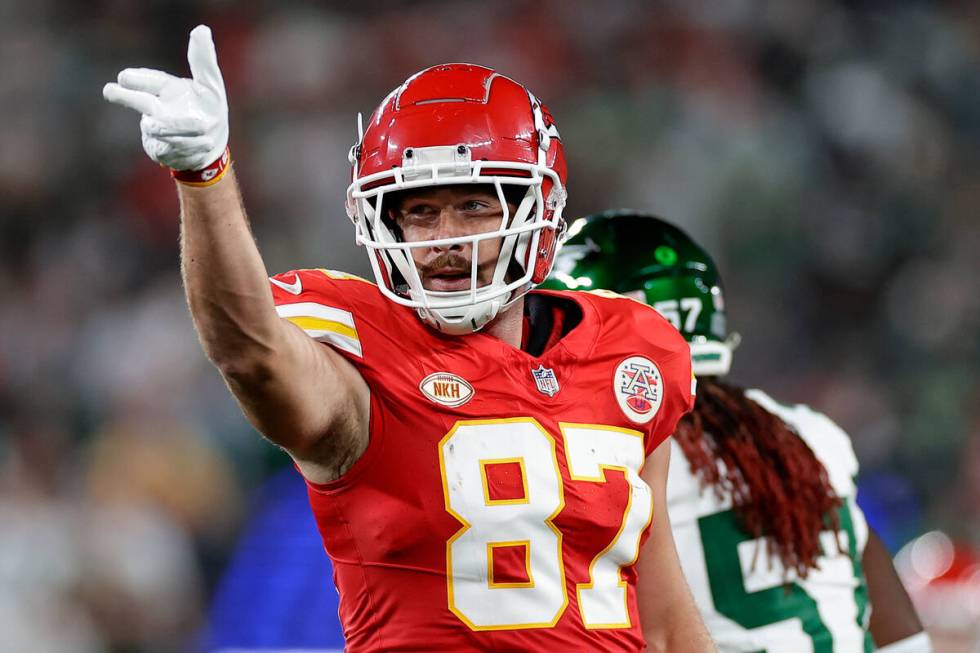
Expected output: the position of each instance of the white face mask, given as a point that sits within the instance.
(461, 311)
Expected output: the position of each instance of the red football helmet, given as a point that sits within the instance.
(460, 124)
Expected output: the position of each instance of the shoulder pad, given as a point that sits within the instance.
(829, 442)
(322, 303)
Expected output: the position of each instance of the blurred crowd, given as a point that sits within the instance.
(826, 151)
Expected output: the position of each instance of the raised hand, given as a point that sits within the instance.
(185, 121)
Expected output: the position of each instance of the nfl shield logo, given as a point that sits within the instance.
(546, 380)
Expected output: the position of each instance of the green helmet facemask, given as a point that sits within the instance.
(652, 261)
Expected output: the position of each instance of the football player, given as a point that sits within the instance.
(761, 495)
(483, 464)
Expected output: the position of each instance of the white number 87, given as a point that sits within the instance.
(540, 600)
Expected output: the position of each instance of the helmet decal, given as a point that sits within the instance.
(665, 255)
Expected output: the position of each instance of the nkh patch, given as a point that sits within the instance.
(546, 380)
(639, 388)
(447, 389)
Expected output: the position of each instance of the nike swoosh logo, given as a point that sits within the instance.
(294, 288)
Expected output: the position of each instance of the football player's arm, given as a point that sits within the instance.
(300, 394)
(894, 622)
(668, 613)
(297, 392)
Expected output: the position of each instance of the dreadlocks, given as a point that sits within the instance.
(778, 487)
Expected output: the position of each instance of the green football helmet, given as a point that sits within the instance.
(650, 260)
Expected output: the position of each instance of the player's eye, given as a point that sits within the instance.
(417, 212)
(478, 205)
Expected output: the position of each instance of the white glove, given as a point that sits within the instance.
(185, 121)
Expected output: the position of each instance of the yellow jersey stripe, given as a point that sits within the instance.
(318, 324)
(326, 324)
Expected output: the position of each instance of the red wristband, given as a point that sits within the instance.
(206, 176)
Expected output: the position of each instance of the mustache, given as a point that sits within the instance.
(451, 260)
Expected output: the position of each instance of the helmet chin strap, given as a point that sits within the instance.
(461, 321)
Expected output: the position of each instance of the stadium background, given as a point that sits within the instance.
(826, 151)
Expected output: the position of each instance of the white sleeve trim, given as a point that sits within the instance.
(326, 324)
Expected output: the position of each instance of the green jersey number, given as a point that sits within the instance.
(721, 535)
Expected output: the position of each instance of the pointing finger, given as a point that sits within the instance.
(144, 79)
(204, 60)
(137, 100)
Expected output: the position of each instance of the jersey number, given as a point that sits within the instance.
(691, 306)
(788, 607)
(524, 523)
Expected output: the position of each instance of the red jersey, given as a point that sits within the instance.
(498, 506)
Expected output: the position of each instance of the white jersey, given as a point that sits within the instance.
(741, 591)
